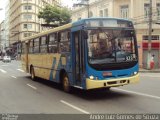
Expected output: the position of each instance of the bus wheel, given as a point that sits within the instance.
(108, 88)
(66, 85)
(32, 74)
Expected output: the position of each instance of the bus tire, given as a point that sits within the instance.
(33, 77)
(65, 82)
(108, 88)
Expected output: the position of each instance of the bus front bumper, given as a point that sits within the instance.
(93, 84)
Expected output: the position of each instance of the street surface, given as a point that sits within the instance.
(19, 94)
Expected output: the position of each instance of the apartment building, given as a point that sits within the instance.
(2, 36)
(7, 23)
(23, 20)
(97, 8)
(135, 10)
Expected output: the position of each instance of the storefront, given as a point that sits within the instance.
(155, 52)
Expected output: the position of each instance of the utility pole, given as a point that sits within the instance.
(150, 36)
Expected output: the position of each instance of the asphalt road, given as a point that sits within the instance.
(19, 94)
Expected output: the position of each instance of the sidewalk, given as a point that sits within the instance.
(149, 71)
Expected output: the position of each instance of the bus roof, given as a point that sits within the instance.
(49, 31)
(77, 23)
(80, 22)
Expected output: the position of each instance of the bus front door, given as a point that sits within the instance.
(78, 58)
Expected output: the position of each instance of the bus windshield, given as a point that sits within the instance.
(111, 46)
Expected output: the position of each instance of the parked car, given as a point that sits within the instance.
(13, 58)
(6, 59)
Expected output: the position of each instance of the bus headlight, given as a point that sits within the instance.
(91, 77)
(135, 73)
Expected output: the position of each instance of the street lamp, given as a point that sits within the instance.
(84, 4)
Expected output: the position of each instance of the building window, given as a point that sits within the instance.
(146, 10)
(106, 12)
(27, 34)
(158, 11)
(27, 17)
(101, 13)
(27, 26)
(27, 7)
(124, 11)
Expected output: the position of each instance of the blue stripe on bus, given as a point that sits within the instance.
(53, 66)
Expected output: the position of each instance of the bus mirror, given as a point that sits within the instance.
(85, 34)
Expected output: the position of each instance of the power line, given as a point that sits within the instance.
(144, 16)
(140, 17)
(144, 19)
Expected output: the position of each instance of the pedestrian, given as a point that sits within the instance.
(152, 62)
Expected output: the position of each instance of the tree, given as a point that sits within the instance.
(55, 15)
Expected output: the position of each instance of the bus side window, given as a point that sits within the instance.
(43, 44)
(64, 45)
(23, 48)
(53, 48)
(36, 45)
(31, 46)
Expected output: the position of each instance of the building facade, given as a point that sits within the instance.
(2, 36)
(96, 8)
(7, 34)
(24, 21)
(135, 10)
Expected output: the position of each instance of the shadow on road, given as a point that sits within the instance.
(98, 94)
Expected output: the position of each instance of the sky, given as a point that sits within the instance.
(2, 5)
(2, 12)
(67, 2)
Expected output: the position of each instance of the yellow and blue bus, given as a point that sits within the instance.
(88, 54)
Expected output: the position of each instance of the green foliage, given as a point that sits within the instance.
(55, 15)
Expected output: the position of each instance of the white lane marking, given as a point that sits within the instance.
(74, 107)
(13, 77)
(3, 71)
(32, 86)
(20, 70)
(138, 93)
